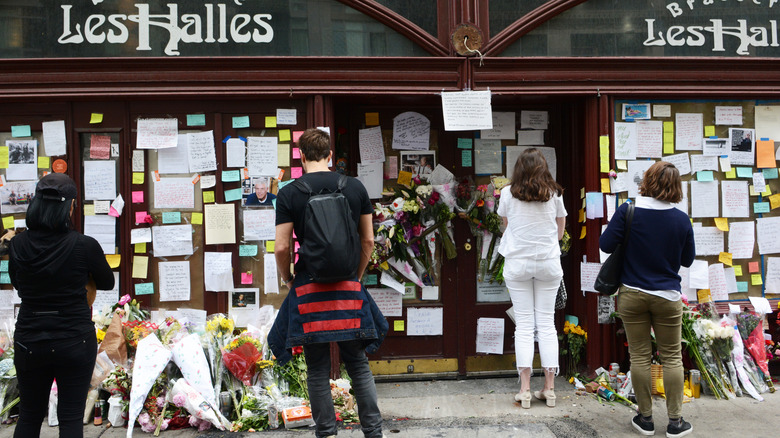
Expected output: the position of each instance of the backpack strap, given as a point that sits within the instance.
(342, 182)
(303, 186)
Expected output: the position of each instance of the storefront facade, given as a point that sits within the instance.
(227, 67)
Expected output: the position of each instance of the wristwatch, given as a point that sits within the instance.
(289, 280)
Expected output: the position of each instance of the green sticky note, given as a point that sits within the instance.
(744, 172)
(144, 288)
(760, 207)
(3, 265)
(5, 278)
(704, 175)
(241, 122)
(21, 131)
(196, 120)
(465, 158)
(742, 286)
(370, 279)
(770, 173)
(247, 250)
(465, 143)
(231, 175)
(731, 174)
(233, 194)
(171, 217)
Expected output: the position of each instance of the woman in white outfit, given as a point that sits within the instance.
(532, 211)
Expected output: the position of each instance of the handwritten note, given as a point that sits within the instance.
(625, 141)
(157, 133)
(236, 152)
(735, 198)
(172, 240)
(219, 276)
(425, 321)
(649, 134)
(259, 224)
(202, 155)
(708, 240)
(174, 193)
(54, 138)
(588, 274)
(220, 223)
(490, 335)
(286, 116)
(175, 159)
(388, 300)
(270, 274)
(728, 115)
(371, 147)
(99, 180)
(504, 126)
(704, 199)
(681, 162)
(768, 237)
(690, 129)
(174, 281)
(262, 156)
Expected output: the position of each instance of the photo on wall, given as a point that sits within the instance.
(257, 192)
(419, 163)
(243, 298)
(636, 111)
(15, 196)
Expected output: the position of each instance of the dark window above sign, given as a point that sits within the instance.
(145, 28)
(420, 12)
(505, 12)
(596, 28)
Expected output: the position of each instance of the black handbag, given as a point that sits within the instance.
(608, 280)
(560, 298)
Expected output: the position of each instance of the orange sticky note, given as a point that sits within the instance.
(372, 119)
(725, 258)
(765, 154)
(246, 278)
(722, 223)
(404, 178)
(753, 267)
(705, 295)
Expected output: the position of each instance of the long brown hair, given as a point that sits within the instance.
(531, 180)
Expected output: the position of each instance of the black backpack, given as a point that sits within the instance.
(331, 246)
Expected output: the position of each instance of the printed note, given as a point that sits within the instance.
(467, 110)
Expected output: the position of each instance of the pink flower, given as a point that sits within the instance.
(160, 402)
(124, 300)
(179, 400)
(164, 425)
(204, 425)
(417, 180)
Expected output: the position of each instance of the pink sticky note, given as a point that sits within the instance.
(296, 172)
(296, 154)
(112, 212)
(246, 278)
(138, 197)
(297, 247)
(297, 135)
(753, 267)
(140, 216)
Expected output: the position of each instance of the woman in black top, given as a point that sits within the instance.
(50, 265)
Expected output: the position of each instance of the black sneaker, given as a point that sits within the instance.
(644, 425)
(678, 428)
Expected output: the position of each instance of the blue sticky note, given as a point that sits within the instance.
(770, 173)
(742, 286)
(5, 278)
(144, 288)
(370, 280)
(573, 319)
(3, 265)
(465, 158)
(744, 172)
(273, 202)
(464, 143)
(231, 176)
(20, 131)
(232, 195)
(760, 207)
(704, 175)
(241, 122)
(171, 217)
(196, 120)
(247, 250)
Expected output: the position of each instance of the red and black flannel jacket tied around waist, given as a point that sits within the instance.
(315, 313)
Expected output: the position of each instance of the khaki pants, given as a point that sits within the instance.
(640, 312)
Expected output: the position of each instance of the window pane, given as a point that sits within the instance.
(505, 12)
(422, 13)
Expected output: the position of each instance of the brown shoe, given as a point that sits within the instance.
(548, 395)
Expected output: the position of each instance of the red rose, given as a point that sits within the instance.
(297, 350)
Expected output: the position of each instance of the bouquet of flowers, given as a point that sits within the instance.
(573, 342)
(219, 333)
(243, 357)
(343, 401)
(719, 343)
(698, 349)
(751, 329)
(119, 384)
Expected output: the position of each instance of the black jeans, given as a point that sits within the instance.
(70, 362)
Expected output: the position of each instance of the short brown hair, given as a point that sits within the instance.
(662, 181)
(531, 179)
(314, 144)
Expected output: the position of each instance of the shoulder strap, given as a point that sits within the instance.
(342, 182)
(629, 218)
(303, 186)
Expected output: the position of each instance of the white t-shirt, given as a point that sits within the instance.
(532, 230)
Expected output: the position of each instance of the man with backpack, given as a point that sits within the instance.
(331, 216)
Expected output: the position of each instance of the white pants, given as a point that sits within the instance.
(533, 286)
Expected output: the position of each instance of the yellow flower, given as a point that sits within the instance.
(100, 335)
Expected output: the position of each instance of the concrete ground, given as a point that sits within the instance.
(478, 408)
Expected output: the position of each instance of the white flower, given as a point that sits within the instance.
(710, 333)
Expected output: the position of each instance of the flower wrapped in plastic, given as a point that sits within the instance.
(573, 340)
(218, 334)
(241, 357)
(697, 346)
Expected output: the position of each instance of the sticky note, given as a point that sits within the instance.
(296, 154)
(605, 185)
(247, 250)
(604, 157)
(725, 163)
(140, 266)
(140, 217)
(760, 207)
(233, 194)
(270, 121)
(284, 135)
(241, 122)
(668, 127)
(197, 218)
(372, 119)
(465, 143)
(398, 325)
(582, 215)
(208, 196)
(89, 209)
(144, 288)
(8, 222)
(21, 131)
(756, 280)
(737, 270)
(752, 267)
(370, 280)
(621, 164)
(296, 172)
(709, 131)
(96, 118)
(668, 147)
(752, 191)
(770, 173)
(196, 120)
(137, 197)
(744, 172)
(404, 178)
(231, 175)
(583, 232)
(3, 157)
(113, 260)
(138, 177)
(465, 158)
(704, 295)
(669, 137)
(3, 265)
(283, 155)
(604, 140)
(722, 223)
(297, 135)
(725, 258)
(731, 174)
(270, 245)
(774, 201)
(5, 278)
(246, 278)
(742, 286)
(43, 162)
(171, 217)
(140, 248)
(704, 175)
(765, 154)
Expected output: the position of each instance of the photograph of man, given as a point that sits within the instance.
(419, 163)
(260, 194)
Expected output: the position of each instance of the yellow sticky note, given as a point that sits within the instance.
(725, 258)
(705, 295)
(398, 325)
(582, 215)
(668, 127)
(197, 218)
(284, 135)
(709, 131)
(722, 223)
(89, 209)
(372, 119)
(621, 164)
(140, 266)
(8, 222)
(731, 174)
(96, 118)
(583, 232)
(604, 140)
(113, 260)
(43, 162)
(605, 185)
(668, 147)
(766, 192)
(756, 280)
(404, 178)
(270, 121)
(582, 193)
(138, 177)
(140, 248)
(208, 196)
(3, 157)
(774, 201)
(269, 245)
(604, 158)
(283, 155)
(737, 270)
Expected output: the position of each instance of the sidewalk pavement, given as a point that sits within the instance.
(478, 408)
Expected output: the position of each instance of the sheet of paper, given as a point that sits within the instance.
(371, 177)
(388, 300)
(387, 280)
(731, 280)
(759, 184)
(708, 240)
(768, 237)
(220, 223)
(683, 205)
(594, 205)
(101, 207)
(174, 283)
(728, 115)
(467, 110)
(767, 121)
(262, 156)
(430, 293)
(424, 321)
(236, 152)
(54, 138)
(139, 235)
(157, 133)
(741, 239)
(534, 119)
(743, 143)
(411, 131)
(649, 138)
(490, 335)
(503, 127)
(681, 161)
(588, 274)
(715, 147)
(772, 280)
(286, 116)
(259, 224)
(219, 275)
(699, 275)
(104, 299)
(174, 193)
(636, 171)
(761, 305)
(138, 162)
(513, 153)
(283, 155)
(735, 199)
(530, 138)
(689, 132)
(202, 155)
(662, 110)
(22, 160)
(703, 162)
(99, 147)
(620, 183)
(487, 156)
(271, 274)
(626, 139)
(717, 280)
(244, 307)
(172, 240)
(103, 229)
(372, 149)
(704, 199)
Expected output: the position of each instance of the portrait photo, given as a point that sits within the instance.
(257, 192)
(243, 299)
(419, 163)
